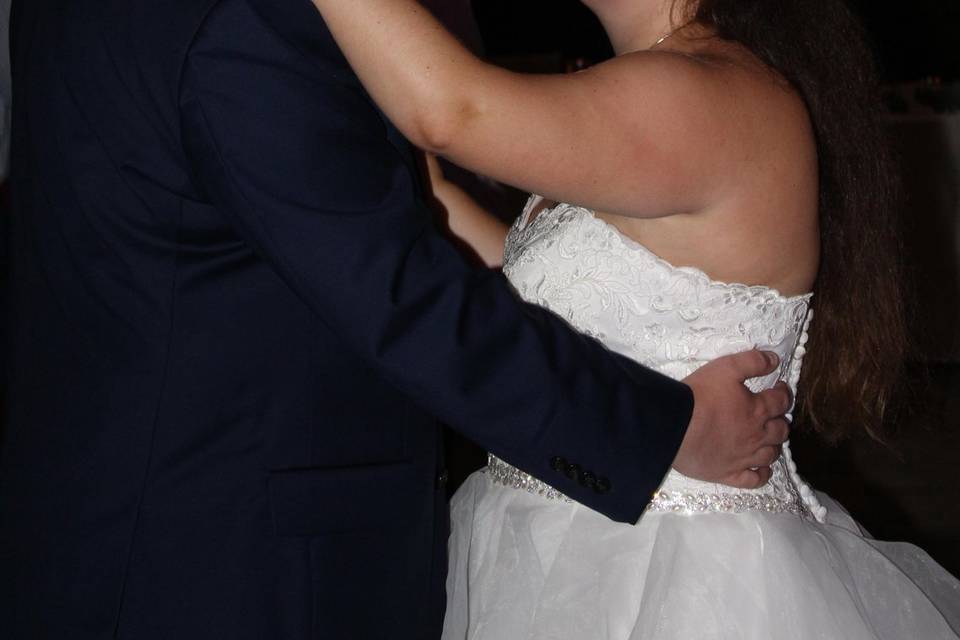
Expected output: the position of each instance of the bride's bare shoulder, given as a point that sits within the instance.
(764, 168)
(721, 77)
(745, 114)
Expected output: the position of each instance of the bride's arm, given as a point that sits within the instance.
(479, 229)
(645, 134)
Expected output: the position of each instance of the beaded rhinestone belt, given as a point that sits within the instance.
(689, 502)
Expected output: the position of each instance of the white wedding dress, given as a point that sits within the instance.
(705, 561)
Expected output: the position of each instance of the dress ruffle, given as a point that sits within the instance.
(523, 567)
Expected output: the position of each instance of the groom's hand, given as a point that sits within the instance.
(734, 435)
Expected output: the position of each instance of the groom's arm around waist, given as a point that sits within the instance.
(284, 141)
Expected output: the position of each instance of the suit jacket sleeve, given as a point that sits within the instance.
(284, 141)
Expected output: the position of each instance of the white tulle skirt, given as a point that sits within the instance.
(526, 568)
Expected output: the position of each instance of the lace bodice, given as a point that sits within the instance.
(670, 319)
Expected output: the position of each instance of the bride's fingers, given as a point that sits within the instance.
(434, 169)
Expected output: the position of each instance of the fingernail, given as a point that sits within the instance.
(772, 358)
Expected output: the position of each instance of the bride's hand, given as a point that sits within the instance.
(482, 232)
(734, 435)
(434, 170)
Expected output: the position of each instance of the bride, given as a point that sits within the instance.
(738, 138)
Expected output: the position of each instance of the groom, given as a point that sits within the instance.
(232, 330)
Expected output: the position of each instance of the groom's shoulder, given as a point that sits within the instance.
(172, 25)
(296, 22)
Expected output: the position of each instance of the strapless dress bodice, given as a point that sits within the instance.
(668, 318)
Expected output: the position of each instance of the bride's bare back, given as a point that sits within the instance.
(758, 221)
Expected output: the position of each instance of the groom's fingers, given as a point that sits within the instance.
(764, 457)
(775, 432)
(730, 426)
(750, 478)
(776, 401)
(753, 364)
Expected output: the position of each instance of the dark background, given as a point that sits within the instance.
(906, 488)
(915, 39)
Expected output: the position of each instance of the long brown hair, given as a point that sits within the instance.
(858, 338)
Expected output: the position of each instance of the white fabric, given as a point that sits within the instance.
(525, 566)
(669, 319)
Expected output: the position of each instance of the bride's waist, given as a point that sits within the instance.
(681, 494)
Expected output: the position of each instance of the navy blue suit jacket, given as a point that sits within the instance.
(232, 330)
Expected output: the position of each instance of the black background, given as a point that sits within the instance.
(915, 39)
